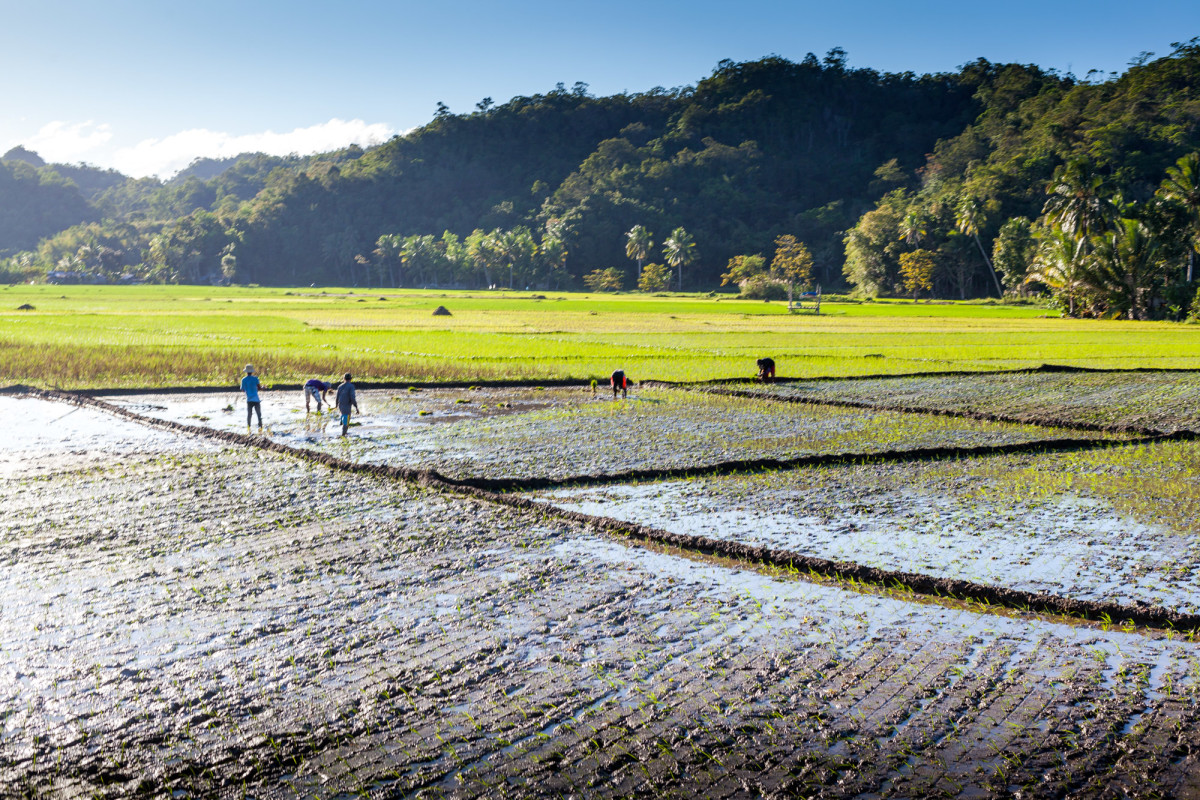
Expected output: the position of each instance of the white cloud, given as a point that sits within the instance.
(68, 143)
(164, 157)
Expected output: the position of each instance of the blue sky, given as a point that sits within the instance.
(146, 86)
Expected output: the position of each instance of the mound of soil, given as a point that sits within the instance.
(25, 307)
(441, 311)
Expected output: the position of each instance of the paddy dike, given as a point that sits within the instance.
(531, 437)
(226, 615)
(1143, 402)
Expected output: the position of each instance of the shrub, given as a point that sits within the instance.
(763, 287)
(604, 280)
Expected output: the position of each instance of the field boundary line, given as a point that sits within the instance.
(941, 373)
(815, 460)
(981, 416)
(585, 383)
(799, 564)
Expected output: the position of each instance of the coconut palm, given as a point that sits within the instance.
(1125, 266)
(638, 242)
(914, 227)
(1182, 185)
(1078, 203)
(1060, 263)
(968, 218)
(679, 251)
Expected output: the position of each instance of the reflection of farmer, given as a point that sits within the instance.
(317, 390)
(620, 383)
(346, 399)
(250, 385)
(766, 370)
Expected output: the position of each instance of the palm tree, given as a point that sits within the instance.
(1060, 264)
(679, 251)
(388, 252)
(1125, 265)
(1182, 185)
(914, 227)
(968, 217)
(1077, 201)
(637, 245)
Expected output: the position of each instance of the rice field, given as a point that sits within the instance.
(1160, 401)
(561, 433)
(145, 336)
(1117, 524)
(189, 617)
(206, 612)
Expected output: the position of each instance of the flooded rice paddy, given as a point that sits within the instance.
(1011, 521)
(186, 619)
(1164, 401)
(560, 433)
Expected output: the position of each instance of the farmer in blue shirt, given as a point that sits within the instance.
(316, 389)
(250, 385)
(346, 399)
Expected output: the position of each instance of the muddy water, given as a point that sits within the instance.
(228, 623)
(1163, 401)
(39, 436)
(902, 517)
(522, 433)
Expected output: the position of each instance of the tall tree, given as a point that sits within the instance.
(968, 218)
(1182, 186)
(917, 268)
(1013, 251)
(679, 250)
(792, 263)
(914, 227)
(1125, 267)
(638, 242)
(1059, 263)
(1079, 200)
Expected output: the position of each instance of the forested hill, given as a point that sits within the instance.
(755, 150)
(548, 186)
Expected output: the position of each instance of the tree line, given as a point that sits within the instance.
(1081, 189)
(897, 184)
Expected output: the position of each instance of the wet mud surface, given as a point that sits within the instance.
(1116, 525)
(1145, 401)
(192, 621)
(559, 433)
(40, 438)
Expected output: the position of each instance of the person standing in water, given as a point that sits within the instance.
(766, 370)
(316, 389)
(346, 399)
(250, 385)
(620, 383)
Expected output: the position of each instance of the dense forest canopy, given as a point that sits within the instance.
(862, 167)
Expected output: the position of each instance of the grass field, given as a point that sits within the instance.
(93, 336)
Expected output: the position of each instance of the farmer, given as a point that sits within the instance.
(346, 399)
(316, 389)
(619, 383)
(766, 370)
(250, 385)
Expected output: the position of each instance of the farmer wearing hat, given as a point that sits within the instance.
(345, 400)
(250, 385)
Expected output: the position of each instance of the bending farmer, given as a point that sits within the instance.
(317, 390)
(346, 399)
(250, 385)
(620, 383)
(766, 370)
